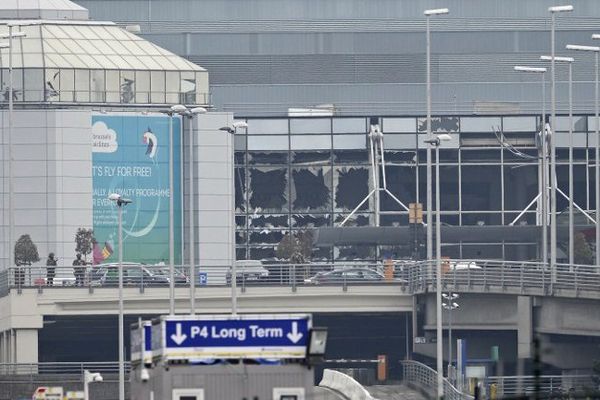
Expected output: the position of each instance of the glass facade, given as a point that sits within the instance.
(88, 62)
(294, 174)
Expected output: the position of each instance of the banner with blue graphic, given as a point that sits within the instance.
(131, 157)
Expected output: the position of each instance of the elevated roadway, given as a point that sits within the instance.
(495, 296)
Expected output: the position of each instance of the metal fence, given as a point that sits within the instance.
(531, 278)
(58, 368)
(511, 386)
(425, 378)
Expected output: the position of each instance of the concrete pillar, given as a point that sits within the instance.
(26, 346)
(524, 327)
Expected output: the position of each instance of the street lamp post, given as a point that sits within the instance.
(569, 61)
(553, 11)
(450, 305)
(192, 245)
(542, 174)
(428, 14)
(232, 131)
(596, 51)
(437, 141)
(121, 202)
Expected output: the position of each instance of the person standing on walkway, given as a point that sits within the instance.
(79, 270)
(50, 269)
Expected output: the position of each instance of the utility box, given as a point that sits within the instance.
(253, 357)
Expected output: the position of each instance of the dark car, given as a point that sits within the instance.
(346, 275)
(133, 275)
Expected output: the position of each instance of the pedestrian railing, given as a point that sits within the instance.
(531, 278)
(53, 368)
(425, 378)
(558, 385)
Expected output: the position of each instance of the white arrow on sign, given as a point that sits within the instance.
(294, 336)
(178, 337)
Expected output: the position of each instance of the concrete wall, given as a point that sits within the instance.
(52, 186)
(213, 189)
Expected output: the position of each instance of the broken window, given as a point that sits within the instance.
(350, 157)
(351, 187)
(268, 189)
(311, 157)
(311, 189)
(311, 220)
(269, 221)
(270, 158)
(439, 124)
(262, 253)
(266, 236)
(240, 189)
(355, 220)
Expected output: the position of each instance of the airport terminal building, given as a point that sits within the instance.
(312, 80)
(362, 64)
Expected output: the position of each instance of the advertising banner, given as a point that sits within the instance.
(131, 157)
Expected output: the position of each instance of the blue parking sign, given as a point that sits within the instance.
(202, 278)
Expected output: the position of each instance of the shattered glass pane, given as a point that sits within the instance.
(240, 189)
(240, 237)
(311, 157)
(351, 157)
(400, 157)
(311, 220)
(355, 220)
(401, 182)
(351, 187)
(266, 236)
(270, 158)
(311, 189)
(268, 189)
(439, 124)
(262, 253)
(269, 221)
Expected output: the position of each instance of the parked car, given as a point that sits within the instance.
(348, 275)
(248, 271)
(134, 274)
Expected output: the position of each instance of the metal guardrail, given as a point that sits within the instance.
(145, 276)
(532, 278)
(425, 378)
(512, 386)
(54, 368)
(509, 277)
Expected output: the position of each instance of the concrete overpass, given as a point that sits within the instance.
(516, 299)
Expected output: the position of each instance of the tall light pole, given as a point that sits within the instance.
(232, 131)
(596, 51)
(553, 11)
(569, 61)
(9, 250)
(428, 14)
(176, 109)
(437, 141)
(11, 186)
(192, 225)
(121, 202)
(542, 175)
(450, 305)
